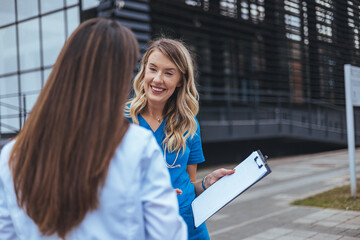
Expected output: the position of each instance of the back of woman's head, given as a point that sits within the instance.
(61, 156)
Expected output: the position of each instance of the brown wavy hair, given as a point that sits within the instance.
(62, 154)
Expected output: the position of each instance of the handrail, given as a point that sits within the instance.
(280, 96)
(257, 109)
(21, 111)
(9, 95)
(278, 100)
(12, 106)
(9, 127)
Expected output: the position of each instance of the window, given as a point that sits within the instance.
(27, 9)
(8, 61)
(324, 19)
(29, 44)
(53, 33)
(72, 19)
(7, 13)
(30, 38)
(253, 10)
(87, 4)
(228, 8)
(48, 6)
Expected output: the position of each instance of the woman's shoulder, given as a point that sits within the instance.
(5, 151)
(5, 175)
(137, 138)
(138, 133)
(137, 144)
(197, 126)
(8, 146)
(197, 121)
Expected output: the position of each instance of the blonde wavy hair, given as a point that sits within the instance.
(182, 107)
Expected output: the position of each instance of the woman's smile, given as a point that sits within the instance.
(157, 90)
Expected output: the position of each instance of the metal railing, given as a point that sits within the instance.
(303, 118)
(18, 111)
(230, 110)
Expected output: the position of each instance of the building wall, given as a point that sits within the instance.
(267, 68)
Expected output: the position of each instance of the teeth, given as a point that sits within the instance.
(157, 89)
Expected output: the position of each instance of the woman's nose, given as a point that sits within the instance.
(157, 77)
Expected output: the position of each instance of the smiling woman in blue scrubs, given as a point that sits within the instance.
(166, 102)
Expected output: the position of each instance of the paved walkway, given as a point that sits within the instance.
(264, 211)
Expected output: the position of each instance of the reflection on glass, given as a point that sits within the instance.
(7, 12)
(30, 81)
(228, 8)
(8, 62)
(46, 74)
(71, 2)
(73, 19)
(8, 85)
(252, 9)
(86, 4)
(10, 105)
(194, 3)
(48, 6)
(29, 44)
(53, 32)
(9, 117)
(9, 110)
(30, 100)
(27, 8)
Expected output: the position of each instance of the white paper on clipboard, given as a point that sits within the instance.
(247, 173)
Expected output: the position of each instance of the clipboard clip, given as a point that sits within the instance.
(256, 161)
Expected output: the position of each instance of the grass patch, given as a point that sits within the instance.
(338, 198)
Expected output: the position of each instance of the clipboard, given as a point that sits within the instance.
(226, 189)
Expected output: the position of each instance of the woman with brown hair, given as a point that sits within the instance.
(78, 169)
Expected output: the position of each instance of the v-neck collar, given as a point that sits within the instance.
(147, 125)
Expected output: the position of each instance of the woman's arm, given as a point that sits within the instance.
(191, 169)
(197, 156)
(208, 179)
(160, 205)
(7, 230)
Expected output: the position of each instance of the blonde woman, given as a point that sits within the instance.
(166, 102)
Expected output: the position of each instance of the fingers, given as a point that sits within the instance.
(217, 174)
(229, 172)
(178, 191)
(223, 172)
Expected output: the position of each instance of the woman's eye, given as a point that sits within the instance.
(152, 69)
(169, 73)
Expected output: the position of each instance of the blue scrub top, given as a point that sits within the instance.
(193, 155)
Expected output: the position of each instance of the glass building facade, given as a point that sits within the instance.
(32, 33)
(268, 68)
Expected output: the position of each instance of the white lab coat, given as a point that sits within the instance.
(136, 202)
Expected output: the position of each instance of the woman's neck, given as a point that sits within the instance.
(155, 112)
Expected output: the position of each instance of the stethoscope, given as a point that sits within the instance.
(173, 164)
